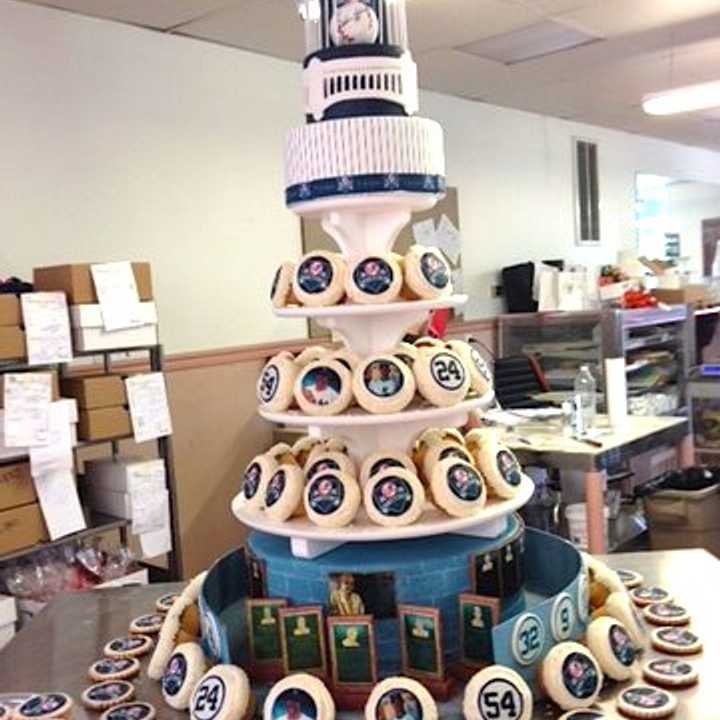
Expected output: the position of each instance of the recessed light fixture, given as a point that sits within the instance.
(684, 99)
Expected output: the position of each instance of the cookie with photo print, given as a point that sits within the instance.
(128, 646)
(45, 706)
(571, 676)
(666, 613)
(676, 641)
(114, 669)
(104, 695)
(643, 596)
(646, 702)
(182, 673)
(669, 672)
(630, 578)
(165, 602)
(130, 711)
(149, 624)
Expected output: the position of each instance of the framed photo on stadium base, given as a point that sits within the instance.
(421, 641)
(352, 651)
(478, 616)
(302, 632)
(264, 638)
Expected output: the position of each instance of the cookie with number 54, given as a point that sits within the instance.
(223, 693)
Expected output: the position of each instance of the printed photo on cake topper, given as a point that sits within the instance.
(421, 641)
(486, 574)
(562, 617)
(447, 371)
(263, 625)
(478, 616)
(257, 575)
(373, 276)
(294, 704)
(269, 382)
(509, 467)
(435, 270)
(383, 378)
(315, 274)
(352, 651)
(321, 386)
(580, 676)
(398, 704)
(465, 482)
(354, 22)
(351, 594)
(528, 639)
(325, 494)
(302, 632)
(392, 497)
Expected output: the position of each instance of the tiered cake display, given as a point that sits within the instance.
(385, 521)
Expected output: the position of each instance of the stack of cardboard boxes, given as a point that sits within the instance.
(101, 400)
(12, 336)
(21, 520)
(86, 319)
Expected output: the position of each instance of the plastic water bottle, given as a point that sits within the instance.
(586, 390)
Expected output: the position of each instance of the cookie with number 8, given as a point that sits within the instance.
(442, 378)
(497, 693)
(223, 693)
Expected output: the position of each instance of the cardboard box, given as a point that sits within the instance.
(77, 283)
(93, 339)
(125, 475)
(104, 423)
(10, 310)
(84, 316)
(12, 343)
(16, 486)
(95, 391)
(55, 385)
(690, 294)
(21, 527)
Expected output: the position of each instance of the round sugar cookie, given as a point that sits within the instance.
(324, 387)
(571, 676)
(497, 692)
(114, 669)
(130, 711)
(382, 460)
(613, 648)
(148, 624)
(584, 714)
(223, 693)
(299, 696)
(104, 695)
(383, 384)
(406, 352)
(499, 467)
(332, 499)
(394, 497)
(281, 292)
(44, 706)
(284, 492)
(675, 641)
(303, 447)
(643, 596)
(457, 487)
(329, 460)
(374, 279)
(182, 673)
(276, 383)
(129, 646)
(310, 354)
(346, 356)
(666, 613)
(439, 451)
(481, 379)
(646, 702)
(669, 672)
(283, 454)
(427, 273)
(629, 578)
(619, 606)
(319, 279)
(400, 697)
(441, 377)
(165, 602)
(254, 483)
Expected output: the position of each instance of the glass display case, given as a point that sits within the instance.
(658, 346)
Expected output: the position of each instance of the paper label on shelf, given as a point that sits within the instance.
(27, 409)
(118, 295)
(147, 475)
(147, 399)
(424, 232)
(56, 455)
(447, 238)
(149, 510)
(157, 542)
(47, 327)
(60, 503)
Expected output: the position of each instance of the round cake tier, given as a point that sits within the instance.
(308, 539)
(369, 329)
(364, 155)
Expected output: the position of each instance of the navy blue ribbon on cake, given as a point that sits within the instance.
(363, 184)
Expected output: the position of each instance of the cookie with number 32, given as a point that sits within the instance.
(223, 693)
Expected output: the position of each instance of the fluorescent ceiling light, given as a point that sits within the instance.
(683, 100)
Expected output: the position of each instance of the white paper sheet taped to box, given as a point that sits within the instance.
(126, 474)
(26, 417)
(47, 327)
(117, 292)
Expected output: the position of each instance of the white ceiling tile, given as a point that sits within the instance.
(161, 14)
(548, 8)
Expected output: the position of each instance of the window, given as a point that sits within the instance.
(587, 193)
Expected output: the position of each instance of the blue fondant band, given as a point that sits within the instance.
(364, 184)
